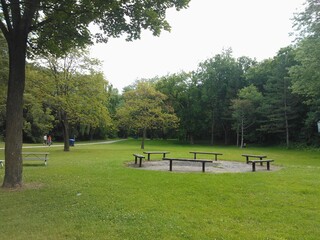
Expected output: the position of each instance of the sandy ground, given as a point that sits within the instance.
(214, 167)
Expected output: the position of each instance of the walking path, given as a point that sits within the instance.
(76, 144)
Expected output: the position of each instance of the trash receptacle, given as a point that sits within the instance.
(71, 142)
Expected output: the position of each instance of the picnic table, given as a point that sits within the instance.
(212, 153)
(35, 156)
(156, 152)
(247, 156)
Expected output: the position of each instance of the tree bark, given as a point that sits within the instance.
(212, 129)
(65, 130)
(242, 133)
(14, 111)
(144, 134)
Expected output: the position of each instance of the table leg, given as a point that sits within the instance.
(253, 166)
(261, 163)
(268, 165)
(148, 156)
(170, 167)
(203, 166)
(194, 156)
(140, 161)
(135, 159)
(247, 159)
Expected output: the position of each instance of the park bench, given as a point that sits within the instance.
(187, 160)
(253, 162)
(156, 152)
(136, 157)
(35, 156)
(247, 156)
(212, 153)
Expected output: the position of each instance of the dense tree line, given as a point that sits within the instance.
(233, 101)
(225, 100)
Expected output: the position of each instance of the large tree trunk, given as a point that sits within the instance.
(14, 108)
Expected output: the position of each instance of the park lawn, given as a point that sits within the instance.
(89, 193)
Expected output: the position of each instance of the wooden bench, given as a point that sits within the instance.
(187, 160)
(156, 152)
(212, 153)
(253, 156)
(35, 156)
(253, 162)
(136, 157)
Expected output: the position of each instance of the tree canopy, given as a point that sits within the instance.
(50, 26)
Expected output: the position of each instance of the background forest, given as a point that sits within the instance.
(225, 100)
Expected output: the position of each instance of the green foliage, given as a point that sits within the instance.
(68, 90)
(220, 79)
(64, 25)
(90, 193)
(145, 108)
(306, 23)
(245, 110)
(306, 75)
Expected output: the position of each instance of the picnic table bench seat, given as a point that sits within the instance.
(253, 162)
(156, 152)
(211, 153)
(136, 157)
(248, 156)
(203, 161)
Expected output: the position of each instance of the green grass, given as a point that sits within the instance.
(89, 193)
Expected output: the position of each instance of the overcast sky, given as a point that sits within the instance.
(253, 28)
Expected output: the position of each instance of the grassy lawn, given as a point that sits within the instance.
(89, 193)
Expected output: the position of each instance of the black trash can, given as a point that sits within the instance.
(71, 142)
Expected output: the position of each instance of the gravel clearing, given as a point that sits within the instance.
(214, 167)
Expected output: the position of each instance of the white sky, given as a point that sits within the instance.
(253, 28)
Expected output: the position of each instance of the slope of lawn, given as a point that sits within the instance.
(89, 193)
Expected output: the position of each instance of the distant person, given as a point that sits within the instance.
(45, 139)
(49, 140)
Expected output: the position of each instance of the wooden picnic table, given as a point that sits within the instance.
(156, 152)
(212, 153)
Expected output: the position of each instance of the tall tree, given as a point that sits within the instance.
(281, 106)
(56, 26)
(145, 109)
(184, 94)
(221, 78)
(38, 117)
(76, 92)
(245, 111)
(306, 75)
